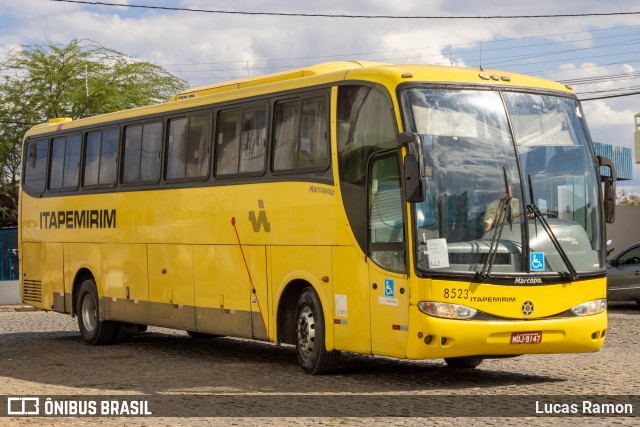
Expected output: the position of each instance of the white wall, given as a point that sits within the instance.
(10, 292)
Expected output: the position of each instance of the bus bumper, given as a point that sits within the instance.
(433, 337)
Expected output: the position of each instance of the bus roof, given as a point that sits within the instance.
(314, 70)
(368, 70)
(388, 74)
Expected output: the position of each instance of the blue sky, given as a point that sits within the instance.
(598, 55)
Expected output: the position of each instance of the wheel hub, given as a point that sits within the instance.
(89, 313)
(306, 332)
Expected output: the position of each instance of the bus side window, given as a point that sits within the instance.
(176, 150)
(71, 174)
(314, 144)
(142, 149)
(241, 146)
(101, 157)
(365, 125)
(35, 165)
(188, 148)
(109, 157)
(286, 135)
(198, 152)
(228, 142)
(151, 150)
(57, 163)
(301, 140)
(65, 163)
(253, 139)
(132, 151)
(92, 158)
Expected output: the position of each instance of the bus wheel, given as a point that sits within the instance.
(463, 362)
(310, 336)
(93, 330)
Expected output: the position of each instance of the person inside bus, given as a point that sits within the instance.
(228, 157)
(493, 211)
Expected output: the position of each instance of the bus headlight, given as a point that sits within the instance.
(446, 310)
(589, 308)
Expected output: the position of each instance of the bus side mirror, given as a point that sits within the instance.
(413, 166)
(413, 182)
(609, 190)
(609, 200)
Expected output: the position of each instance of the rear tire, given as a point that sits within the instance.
(463, 362)
(93, 330)
(310, 336)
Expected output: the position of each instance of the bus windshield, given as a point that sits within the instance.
(511, 183)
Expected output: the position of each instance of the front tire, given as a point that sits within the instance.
(310, 336)
(93, 330)
(463, 362)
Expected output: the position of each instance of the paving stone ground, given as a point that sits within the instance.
(41, 355)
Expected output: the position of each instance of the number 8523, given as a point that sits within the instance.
(456, 293)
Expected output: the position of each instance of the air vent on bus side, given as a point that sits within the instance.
(32, 290)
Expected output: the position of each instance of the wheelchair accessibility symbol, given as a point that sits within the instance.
(536, 261)
(388, 288)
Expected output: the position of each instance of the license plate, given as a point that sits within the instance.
(526, 337)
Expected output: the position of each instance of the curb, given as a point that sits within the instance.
(13, 308)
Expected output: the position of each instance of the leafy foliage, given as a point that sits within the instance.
(627, 199)
(80, 79)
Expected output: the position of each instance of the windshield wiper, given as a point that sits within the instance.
(504, 212)
(533, 209)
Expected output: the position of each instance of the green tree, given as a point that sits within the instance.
(627, 199)
(77, 80)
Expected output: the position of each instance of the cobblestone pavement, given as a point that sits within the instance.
(41, 355)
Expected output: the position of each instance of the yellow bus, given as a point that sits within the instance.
(400, 210)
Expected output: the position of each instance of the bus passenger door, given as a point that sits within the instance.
(387, 257)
